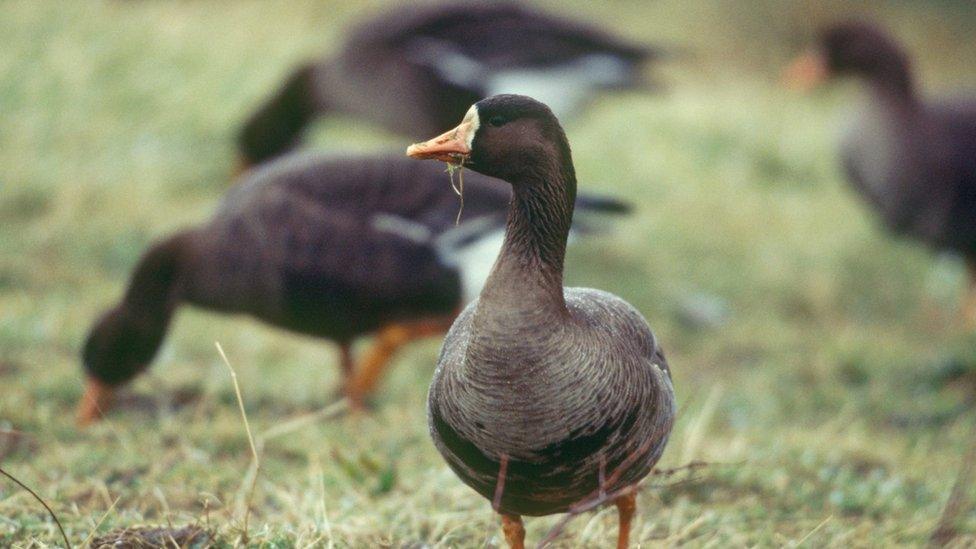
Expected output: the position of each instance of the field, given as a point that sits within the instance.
(806, 344)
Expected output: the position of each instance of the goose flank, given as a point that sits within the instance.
(333, 247)
(543, 396)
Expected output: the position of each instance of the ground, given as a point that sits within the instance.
(805, 343)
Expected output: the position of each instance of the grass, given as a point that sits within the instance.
(812, 398)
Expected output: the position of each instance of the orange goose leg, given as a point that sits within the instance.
(514, 531)
(346, 360)
(626, 506)
(96, 400)
(969, 305)
(388, 341)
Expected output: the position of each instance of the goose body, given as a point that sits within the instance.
(549, 395)
(912, 160)
(393, 66)
(544, 397)
(915, 163)
(333, 247)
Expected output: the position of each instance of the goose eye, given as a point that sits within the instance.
(497, 121)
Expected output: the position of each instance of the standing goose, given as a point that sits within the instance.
(392, 68)
(331, 247)
(913, 161)
(544, 396)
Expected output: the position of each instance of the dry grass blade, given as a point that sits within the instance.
(691, 466)
(42, 502)
(459, 188)
(168, 538)
(946, 529)
(256, 467)
(100, 521)
(602, 497)
(556, 530)
(291, 425)
(814, 531)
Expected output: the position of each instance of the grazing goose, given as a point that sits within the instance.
(416, 69)
(913, 161)
(544, 397)
(331, 247)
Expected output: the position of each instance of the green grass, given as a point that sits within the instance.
(812, 400)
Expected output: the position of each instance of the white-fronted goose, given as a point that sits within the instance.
(416, 69)
(914, 161)
(544, 397)
(332, 247)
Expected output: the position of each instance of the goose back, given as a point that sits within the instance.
(416, 69)
(336, 246)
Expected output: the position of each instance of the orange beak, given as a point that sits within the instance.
(806, 72)
(96, 400)
(451, 146)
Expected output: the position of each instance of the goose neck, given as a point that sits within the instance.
(528, 274)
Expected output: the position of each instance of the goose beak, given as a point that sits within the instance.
(452, 146)
(806, 72)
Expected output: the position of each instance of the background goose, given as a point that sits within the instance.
(332, 247)
(913, 161)
(416, 69)
(544, 397)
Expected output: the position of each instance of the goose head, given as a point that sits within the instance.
(511, 137)
(851, 49)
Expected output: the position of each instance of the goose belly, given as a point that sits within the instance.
(558, 448)
(557, 477)
(870, 150)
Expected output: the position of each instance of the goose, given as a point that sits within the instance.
(912, 160)
(543, 397)
(392, 66)
(332, 246)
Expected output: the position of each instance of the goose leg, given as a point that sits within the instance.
(626, 506)
(514, 531)
(388, 341)
(96, 400)
(969, 305)
(345, 360)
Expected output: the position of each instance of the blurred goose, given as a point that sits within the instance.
(913, 161)
(544, 397)
(332, 247)
(416, 69)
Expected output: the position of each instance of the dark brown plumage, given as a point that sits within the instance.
(416, 69)
(913, 161)
(331, 247)
(543, 396)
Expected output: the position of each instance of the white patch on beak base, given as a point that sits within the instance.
(472, 118)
